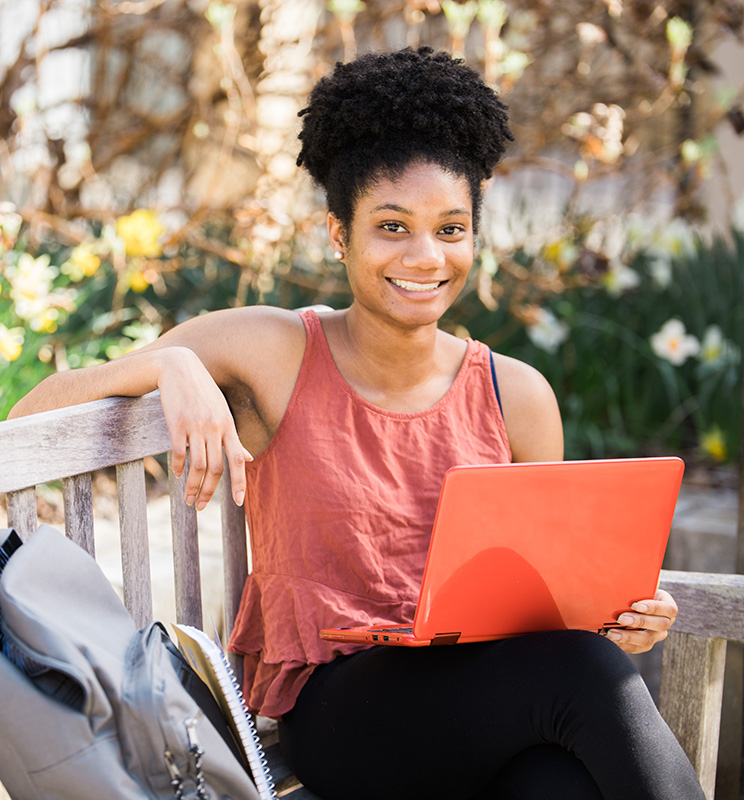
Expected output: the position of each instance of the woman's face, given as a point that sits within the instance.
(410, 247)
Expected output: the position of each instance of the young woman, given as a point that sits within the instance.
(338, 430)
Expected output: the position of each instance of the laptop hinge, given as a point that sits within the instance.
(445, 638)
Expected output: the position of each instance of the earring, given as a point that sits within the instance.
(339, 255)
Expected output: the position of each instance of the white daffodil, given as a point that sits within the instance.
(30, 284)
(676, 239)
(620, 278)
(10, 226)
(673, 343)
(547, 332)
(660, 268)
(716, 349)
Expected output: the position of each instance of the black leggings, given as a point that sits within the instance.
(548, 716)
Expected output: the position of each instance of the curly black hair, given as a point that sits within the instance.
(376, 115)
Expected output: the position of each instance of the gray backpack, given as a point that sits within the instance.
(91, 707)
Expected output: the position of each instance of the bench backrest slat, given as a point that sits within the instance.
(234, 550)
(21, 506)
(135, 543)
(77, 493)
(184, 527)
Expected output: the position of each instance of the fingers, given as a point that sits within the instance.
(236, 456)
(205, 462)
(178, 452)
(199, 420)
(206, 468)
(647, 623)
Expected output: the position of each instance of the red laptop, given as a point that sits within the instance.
(518, 548)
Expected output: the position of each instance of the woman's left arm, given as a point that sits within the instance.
(647, 624)
(531, 414)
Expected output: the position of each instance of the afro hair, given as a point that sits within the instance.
(375, 116)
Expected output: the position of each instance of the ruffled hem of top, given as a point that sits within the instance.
(280, 653)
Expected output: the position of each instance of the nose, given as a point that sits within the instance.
(424, 251)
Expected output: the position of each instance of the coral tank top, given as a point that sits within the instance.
(340, 507)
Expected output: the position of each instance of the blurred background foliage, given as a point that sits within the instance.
(148, 174)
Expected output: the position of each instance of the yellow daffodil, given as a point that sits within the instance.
(82, 263)
(140, 231)
(45, 321)
(137, 281)
(11, 342)
(713, 444)
(561, 252)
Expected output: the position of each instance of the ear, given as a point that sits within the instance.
(336, 233)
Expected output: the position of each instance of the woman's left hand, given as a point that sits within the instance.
(647, 624)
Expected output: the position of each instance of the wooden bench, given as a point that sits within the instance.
(69, 444)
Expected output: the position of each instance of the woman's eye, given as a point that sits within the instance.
(452, 230)
(392, 227)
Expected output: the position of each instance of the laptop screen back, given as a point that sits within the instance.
(528, 547)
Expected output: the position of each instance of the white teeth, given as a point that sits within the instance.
(415, 287)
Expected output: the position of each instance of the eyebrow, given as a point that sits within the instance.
(401, 210)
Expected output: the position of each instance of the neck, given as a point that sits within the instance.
(395, 349)
(398, 369)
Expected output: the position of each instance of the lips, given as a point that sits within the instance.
(412, 286)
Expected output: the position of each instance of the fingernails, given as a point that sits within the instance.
(642, 607)
(626, 619)
(613, 634)
(239, 497)
(201, 505)
(190, 500)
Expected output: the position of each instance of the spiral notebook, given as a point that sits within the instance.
(519, 548)
(209, 661)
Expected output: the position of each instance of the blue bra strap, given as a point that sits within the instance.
(495, 382)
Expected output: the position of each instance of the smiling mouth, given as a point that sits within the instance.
(410, 286)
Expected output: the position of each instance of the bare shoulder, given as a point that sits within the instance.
(254, 355)
(530, 409)
(239, 345)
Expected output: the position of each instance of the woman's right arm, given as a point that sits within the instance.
(195, 409)
(191, 365)
(130, 376)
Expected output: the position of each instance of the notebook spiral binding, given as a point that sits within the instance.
(260, 769)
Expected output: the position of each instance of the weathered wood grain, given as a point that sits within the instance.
(234, 549)
(710, 605)
(21, 506)
(80, 439)
(77, 493)
(690, 702)
(135, 548)
(187, 572)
